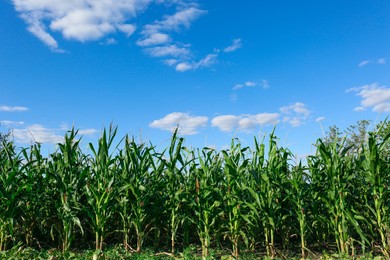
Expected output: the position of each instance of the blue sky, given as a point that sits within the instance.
(218, 69)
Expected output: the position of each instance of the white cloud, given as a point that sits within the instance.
(298, 108)
(88, 131)
(181, 19)
(11, 123)
(171, 62)
(358, 109)
(81, 20)
(178, 54)
(263, 83)
(226, 123)
(37, 133)
(38, 28)
(250, 84)
(207, 61)
(109, 41)
(380, 61)
(157, 32)
(168, 50)
(183, 66)
(154, 39)
(295, 121)
(13, 109)
(237, 44)
(188, 124)
(373, 96)
(297, 112)
(238, 86)
(99, 20)
(244, 123)
(320, 119)
(363, 63)
(246, 84)
(127, 29)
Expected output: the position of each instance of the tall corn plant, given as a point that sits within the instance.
(299, 195)
(332, 174)
(10, 190)
(33, 204)
(207, 197)
(100, 188)
(376, 171)
(135, 165)
(67, 170)
(173, 178)
(235, 174)
(267, 187)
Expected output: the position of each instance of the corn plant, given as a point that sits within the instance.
(376, 172)
(207, 197)
(135, 164)
(299, 196)
(235, 172)
(100, 188)
(270, 178)
(173, 178)
(332, 171)
(33, 204)
(67, 171)
(10, 190)
(157, 201)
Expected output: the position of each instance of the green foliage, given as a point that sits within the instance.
(240, 200)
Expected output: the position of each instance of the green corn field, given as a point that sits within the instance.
(255, 199)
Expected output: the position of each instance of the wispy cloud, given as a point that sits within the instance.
(13, 109)
(379, 61)
(244, 123)
(188, 124)
(207, 61)
(88, 131)
(296, 114)
(298, 108)
(373, 96)
(109, 41)
(250, 84)
(158, 42)
(10, 123)
(155, 33)
(168, 50)
(154, 39)
(237, 44)
(243, 85)
(36, 133)
(363, 63)
(41, 134)
(319, 119)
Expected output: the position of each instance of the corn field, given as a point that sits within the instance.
(256, 199)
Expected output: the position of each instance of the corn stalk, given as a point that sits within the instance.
(235, 173)
(100, 189)
(207, 197)
(68, 171)
(10, 190)
(135, 164)
(376, 170)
